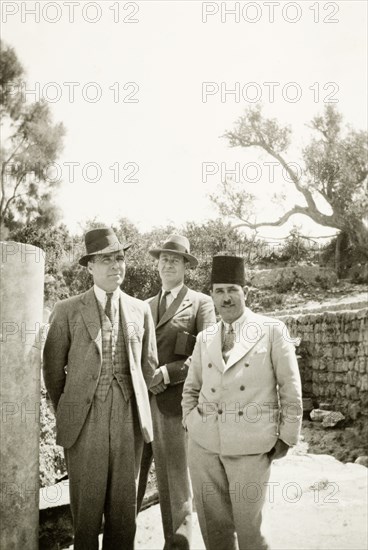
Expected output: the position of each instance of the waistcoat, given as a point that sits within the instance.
(115, 364)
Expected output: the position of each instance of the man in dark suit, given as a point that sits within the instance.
(179, 315)
(100, 355)
(242, 408)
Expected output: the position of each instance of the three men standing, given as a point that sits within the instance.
(179, 315)
(100, 355)
(242, 409)
(241, 400)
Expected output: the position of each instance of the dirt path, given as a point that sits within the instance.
(318, 503)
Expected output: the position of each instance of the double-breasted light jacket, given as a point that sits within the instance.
(245, 405)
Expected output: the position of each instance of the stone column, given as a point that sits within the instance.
(22, 277)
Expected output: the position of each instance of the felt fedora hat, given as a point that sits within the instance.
(176, 244)
(228, 270)
(101, 241)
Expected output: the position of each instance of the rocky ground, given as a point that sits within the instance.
(308, 298)
(345, 443)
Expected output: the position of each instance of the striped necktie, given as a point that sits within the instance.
(228, 343)
(108, 307)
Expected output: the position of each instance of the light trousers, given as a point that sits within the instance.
(229, 494)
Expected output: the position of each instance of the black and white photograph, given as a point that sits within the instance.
(184, 275)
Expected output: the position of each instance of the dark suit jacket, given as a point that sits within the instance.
(190, 312)
(72, 360)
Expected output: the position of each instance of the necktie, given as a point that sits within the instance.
(108, 307)
(228, 343)
(162, 307)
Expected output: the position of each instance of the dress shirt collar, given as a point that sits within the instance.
(101, 295)
(239, 321)
(174, 291)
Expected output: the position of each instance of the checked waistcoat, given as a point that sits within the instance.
(114, 359)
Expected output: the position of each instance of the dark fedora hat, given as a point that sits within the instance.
(176, 244)
(101, 241)
(228, 270)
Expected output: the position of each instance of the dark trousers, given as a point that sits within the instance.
(103, 467)
(169, 450)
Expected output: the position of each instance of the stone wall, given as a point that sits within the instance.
(333, 358)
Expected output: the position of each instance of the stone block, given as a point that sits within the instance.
(354, 410)
(363, 386)
(352, 392)
(339, 366)
(362, 365)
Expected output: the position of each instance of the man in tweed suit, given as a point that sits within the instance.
(100, 355)
(242, 409)
(179, 313)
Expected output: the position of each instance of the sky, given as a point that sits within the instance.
(144, 91)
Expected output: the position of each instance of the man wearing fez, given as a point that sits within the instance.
(242, 409)
(99, 358)
(179, 313)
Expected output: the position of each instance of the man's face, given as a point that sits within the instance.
(229, 300)
(171, 268)
(108, 270)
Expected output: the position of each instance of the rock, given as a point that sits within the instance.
(332, 419)
(362, 460)
(317, 415)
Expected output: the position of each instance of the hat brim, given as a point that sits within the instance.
(108, 250)
(155, 252)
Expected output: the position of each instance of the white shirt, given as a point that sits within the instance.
(102, 298)
(173, 294)
(235, 325)
(169, 300)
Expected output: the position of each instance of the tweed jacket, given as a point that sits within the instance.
(243, 407)
(190, 312)
(72, 360)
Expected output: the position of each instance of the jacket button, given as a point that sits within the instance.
(209, 365)
(242, 388)
(240, 413)
(213, 390)
(246, 364)
(219, 411)
(94, 377)
(88, 400)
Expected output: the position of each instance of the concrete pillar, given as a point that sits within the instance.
(21, 301)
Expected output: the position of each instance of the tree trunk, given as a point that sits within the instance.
(339, 240)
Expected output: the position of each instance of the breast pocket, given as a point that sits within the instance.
(258, 358)
(183, 322)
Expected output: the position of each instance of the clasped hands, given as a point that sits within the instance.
(158, 385)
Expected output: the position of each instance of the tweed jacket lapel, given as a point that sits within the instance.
(129, 325)
(91, 317)
(181, 302)
(153, 303)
